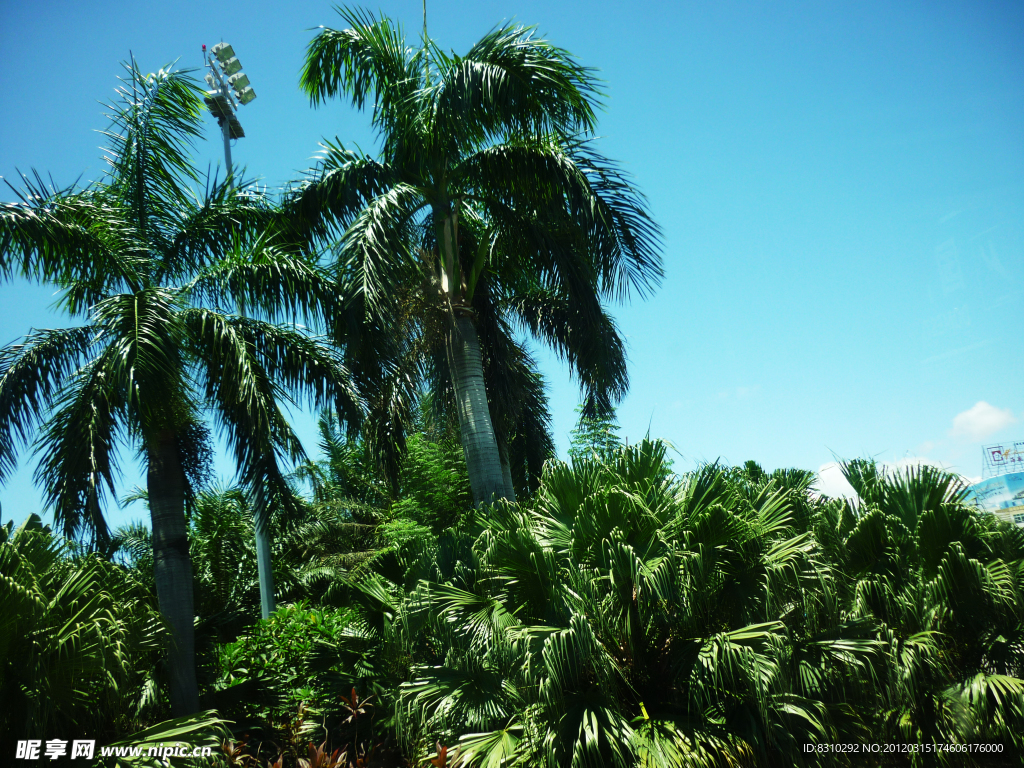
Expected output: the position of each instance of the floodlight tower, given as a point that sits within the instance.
(230, 90)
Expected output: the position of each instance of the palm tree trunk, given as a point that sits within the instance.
(173, 568)
(506, 472)
(483, 460)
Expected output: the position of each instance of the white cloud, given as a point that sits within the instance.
(832, 483)
(981, 420)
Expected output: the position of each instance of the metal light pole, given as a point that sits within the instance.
(230, 90)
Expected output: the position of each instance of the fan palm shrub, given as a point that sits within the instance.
(729, 616)
(631, 617)
(158, 273)
(79, 639)
(487, 212)
(946, 586)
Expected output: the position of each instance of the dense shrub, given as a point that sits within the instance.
(623, 616)
(80, 639)
(628, 616)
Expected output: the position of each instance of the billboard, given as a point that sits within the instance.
(1002, 495)
(1002, 458)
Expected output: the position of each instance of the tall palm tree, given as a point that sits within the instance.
(155, 271)
(486, 213)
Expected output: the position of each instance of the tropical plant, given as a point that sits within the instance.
(78, 641)
(728, 616)
(203, 731)
(946, 586)
(158, 272)
(633, 618)
(430, 488)
(487, 212)
(594, 436)
(272, 662)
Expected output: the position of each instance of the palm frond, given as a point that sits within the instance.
(581, 333)
(31, 377)
(510, 83)
(78, 462)
(229, 217)
(74, 238)
(270, 284)
(367, 61)
(145, 342)
(151, 134)
(334, 192)
(374, 251)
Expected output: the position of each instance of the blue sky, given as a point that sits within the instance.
(841, 188)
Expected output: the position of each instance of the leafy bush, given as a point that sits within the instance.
(278, 653)
(307, 675)
(79, 641)
(629, 617)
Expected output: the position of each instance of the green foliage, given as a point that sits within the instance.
(79, 650)
(279, 653)
(431, 489)
(629, 616)
(203, 730)
(626, 616)
(433, 484)
(339, 670)
(594, 436)
(946, 586)
(79, 639)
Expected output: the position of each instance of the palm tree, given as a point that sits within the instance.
(487, 213)
(156, 269)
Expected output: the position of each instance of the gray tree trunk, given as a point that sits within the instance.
(483, 460)
(506, 473)
(165, 480)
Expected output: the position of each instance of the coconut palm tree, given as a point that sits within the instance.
(156, 272)
(487, 213)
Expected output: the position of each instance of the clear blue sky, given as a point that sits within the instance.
(841, 187)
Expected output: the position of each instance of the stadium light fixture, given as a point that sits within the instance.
(229, 89)
(231, 66)
(223, 51)
(239, 81)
